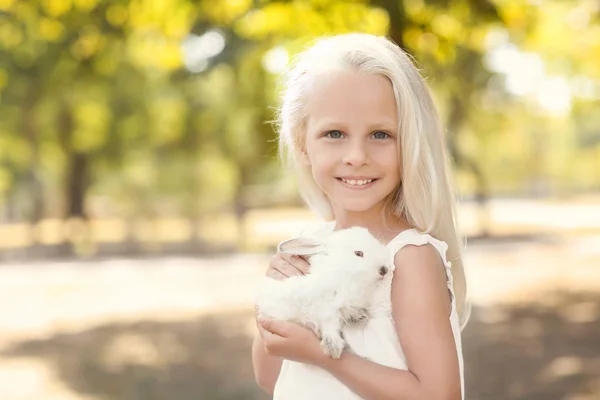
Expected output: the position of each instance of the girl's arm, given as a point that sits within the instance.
(266, 367)
(421, 308)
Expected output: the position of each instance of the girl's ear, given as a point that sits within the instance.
(302, 246)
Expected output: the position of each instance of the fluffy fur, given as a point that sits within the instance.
(346, 268)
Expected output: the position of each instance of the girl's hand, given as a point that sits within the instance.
(290, 341)
(282, 266)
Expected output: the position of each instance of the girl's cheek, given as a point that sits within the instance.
(321, 150)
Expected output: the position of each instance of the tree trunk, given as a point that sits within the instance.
(241, 209)
(395, 10)
(77, 183)
(33, 182)
(76, 180)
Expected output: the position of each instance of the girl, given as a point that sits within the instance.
(359, 126)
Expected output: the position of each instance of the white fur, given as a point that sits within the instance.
(339, 288)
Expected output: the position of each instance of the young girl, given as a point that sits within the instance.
(359, 126)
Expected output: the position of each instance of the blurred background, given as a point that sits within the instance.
(141, 197)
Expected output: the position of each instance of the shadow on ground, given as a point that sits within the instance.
(520, 352)
(535, 352)
(204, 359)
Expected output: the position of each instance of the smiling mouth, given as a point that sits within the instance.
(357, 182)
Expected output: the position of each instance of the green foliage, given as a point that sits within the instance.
(96, 98)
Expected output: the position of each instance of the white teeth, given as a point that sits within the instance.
(357, 182)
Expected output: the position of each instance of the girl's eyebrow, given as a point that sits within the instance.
(384, 124)
(324, 124)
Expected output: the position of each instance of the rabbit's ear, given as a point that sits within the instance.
(302, 246)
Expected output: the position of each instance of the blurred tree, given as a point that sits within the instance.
(160, 106)
(90, 63)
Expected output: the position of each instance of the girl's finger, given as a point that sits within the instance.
(275, 274)
(301, 264)
(297, 263)
(275, 327)
(286, 268)
(267, 336)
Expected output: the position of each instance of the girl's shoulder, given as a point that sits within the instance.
(417, 238)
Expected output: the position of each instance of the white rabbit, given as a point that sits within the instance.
(346, 268)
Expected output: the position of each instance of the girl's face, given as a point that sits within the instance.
(351, 139)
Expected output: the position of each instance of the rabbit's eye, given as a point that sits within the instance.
(359, 253)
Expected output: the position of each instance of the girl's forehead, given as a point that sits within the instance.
(349, 95)
(366, 83)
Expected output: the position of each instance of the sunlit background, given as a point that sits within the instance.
(141, 196)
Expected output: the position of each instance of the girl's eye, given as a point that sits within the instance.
(358, 253)
(334, 134)
(381, 135)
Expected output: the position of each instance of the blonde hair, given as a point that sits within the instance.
(425, 197)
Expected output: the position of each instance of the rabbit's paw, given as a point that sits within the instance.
(313, 327)
(333, 346)
(347, 345)
(354, 315)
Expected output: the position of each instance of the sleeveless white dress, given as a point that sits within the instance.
(376, 340)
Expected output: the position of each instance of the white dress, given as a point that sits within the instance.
(376, 340)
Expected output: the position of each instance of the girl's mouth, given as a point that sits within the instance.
(358, 183)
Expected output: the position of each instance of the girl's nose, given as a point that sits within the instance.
(356, 155)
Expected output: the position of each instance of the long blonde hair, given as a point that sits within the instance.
(426, 197)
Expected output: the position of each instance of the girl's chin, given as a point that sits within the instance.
(356, 206)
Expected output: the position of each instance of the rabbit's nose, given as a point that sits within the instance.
(383, 271)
